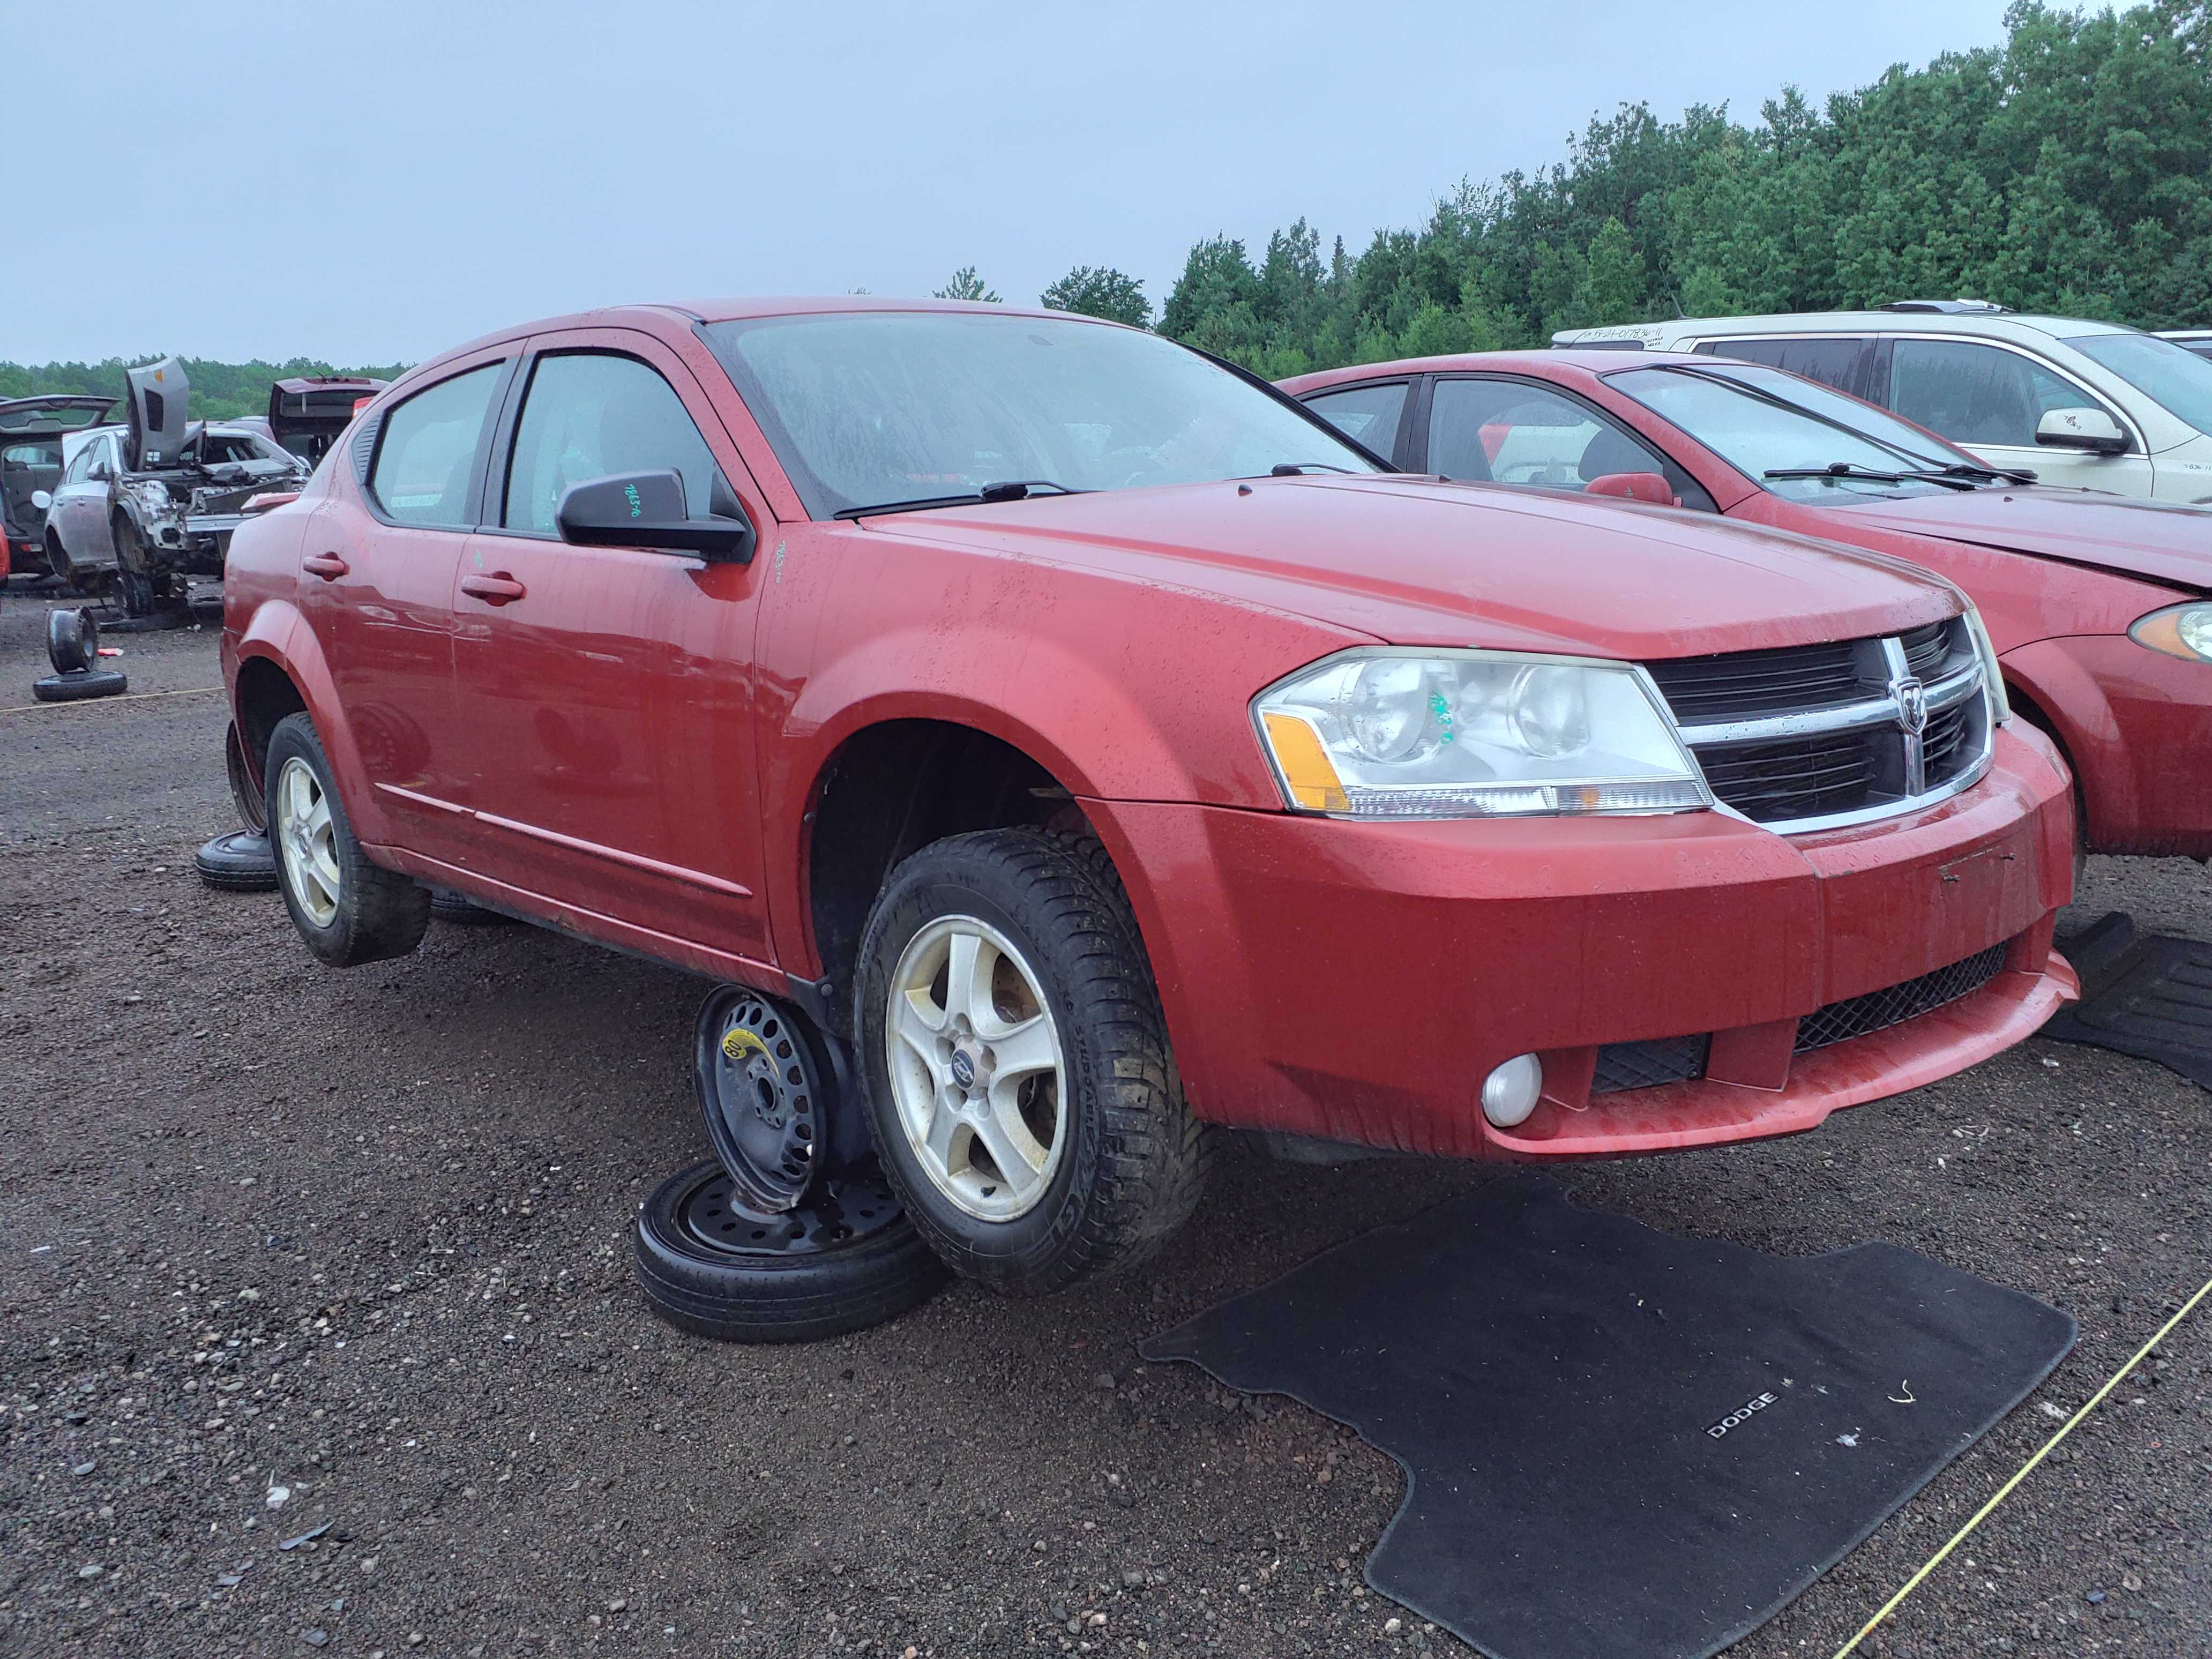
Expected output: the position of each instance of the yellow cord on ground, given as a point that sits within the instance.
(1982, 1514)
(125, 697)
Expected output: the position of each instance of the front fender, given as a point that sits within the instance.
(2067, 695)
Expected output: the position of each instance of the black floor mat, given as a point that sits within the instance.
(1621, 1444)
(2150, 997)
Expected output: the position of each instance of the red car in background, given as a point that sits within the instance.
(2098, 605)
(1096, 746)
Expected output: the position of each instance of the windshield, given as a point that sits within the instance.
(870, 408)
(2178, 381)
(1737, 411)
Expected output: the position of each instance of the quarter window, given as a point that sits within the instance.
(590, 414)
(1832, 362)
(80, 467)
(428, 449)
(1368, 415)
(1509, 432)
(1976, 395)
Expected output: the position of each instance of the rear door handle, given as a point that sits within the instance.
(328, 565)
(497, 589)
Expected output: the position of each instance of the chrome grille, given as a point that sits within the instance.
(1811, 736)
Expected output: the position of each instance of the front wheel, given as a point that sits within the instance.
(348, 910)
(1016, 1072)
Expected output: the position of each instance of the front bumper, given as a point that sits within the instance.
(1356, 982)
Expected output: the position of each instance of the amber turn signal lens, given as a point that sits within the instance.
(2181, 631)
(1311, 779)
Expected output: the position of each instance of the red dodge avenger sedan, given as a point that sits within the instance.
(1099, 748)
(2101, 607)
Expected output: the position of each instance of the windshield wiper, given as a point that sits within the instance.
(2009, 474)
(1295, 468)
(1760, 394)
(1866, 474)
(1011, 489)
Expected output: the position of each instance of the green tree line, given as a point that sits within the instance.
(2067, 170)
(221, 392)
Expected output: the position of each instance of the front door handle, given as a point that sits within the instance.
(500, 588)
(328, 565)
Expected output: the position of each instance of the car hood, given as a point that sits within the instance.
(1418, 563)
(2163, 542)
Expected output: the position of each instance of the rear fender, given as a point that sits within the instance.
(280, 636)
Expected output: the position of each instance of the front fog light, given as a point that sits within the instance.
(1509, 1093)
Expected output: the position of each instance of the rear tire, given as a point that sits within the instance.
(450, 907)
(1028, 1188)
(348, 910)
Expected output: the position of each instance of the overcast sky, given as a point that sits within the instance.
(373, 183)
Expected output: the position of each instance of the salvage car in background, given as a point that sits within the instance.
(307, 412)
(2101, 607)
(153, 502)
(1101, 747)
(2198, 340)
(2092, 405)
(33, 432)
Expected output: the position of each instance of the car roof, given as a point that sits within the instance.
(681, 314)
(1593, 360)
(1998, 324)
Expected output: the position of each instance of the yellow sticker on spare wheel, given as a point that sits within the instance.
(737, 1042)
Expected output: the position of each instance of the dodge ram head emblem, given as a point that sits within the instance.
(1912, 704)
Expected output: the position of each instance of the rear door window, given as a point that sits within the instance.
(1976, 395)
(1511, 432)
(590, 414)
(427, 452)
(1832, 362)
(1368, 415)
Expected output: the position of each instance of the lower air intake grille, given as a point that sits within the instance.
(1625, 1065)
(1876, 1010)
(1646, 1065)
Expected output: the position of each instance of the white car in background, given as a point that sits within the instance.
(2089, 406)
(2198, 340)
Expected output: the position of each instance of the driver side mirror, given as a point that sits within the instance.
(2090, 429)
(1651, 487)
(42, 499)
(647, 510)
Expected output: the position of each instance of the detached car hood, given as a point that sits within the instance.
(2164, 542)
(1417, 563)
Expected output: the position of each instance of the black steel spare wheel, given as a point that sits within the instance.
(239, 862)
(844, 1261)
(72, 640)
(763, 1090)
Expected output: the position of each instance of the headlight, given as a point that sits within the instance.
(2181, 630)
(1992, 675)
(1401, 733)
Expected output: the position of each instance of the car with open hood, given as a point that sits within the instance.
(151, 503)
(32, 434)
(2101, 607)
(1094, 748)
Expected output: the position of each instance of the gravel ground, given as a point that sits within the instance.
(317, 1329)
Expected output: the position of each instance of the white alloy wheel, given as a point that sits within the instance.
(976, 1070)
(307, 841)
